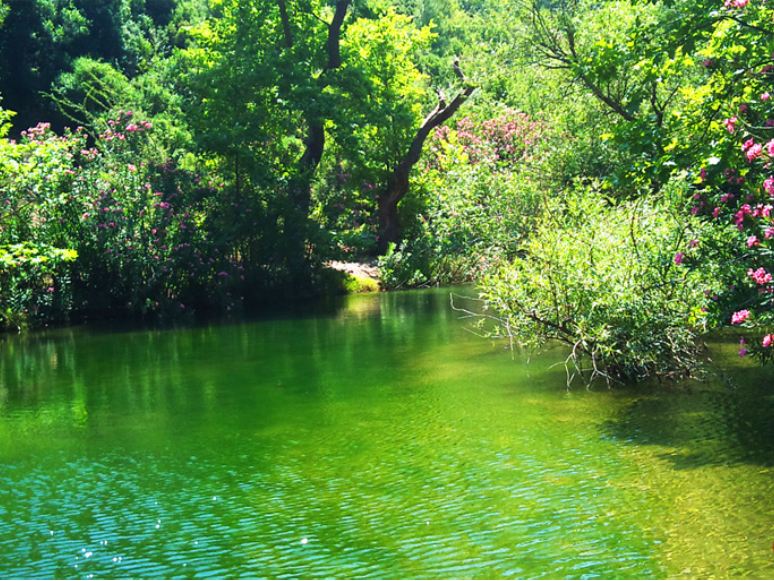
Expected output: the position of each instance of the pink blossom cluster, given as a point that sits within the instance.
(122, 125)
(760, 276)
(753, 150)
(37, 133)
(740, 317)
(507, 138)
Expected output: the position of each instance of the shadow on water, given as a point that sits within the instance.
(724, 420)
(201, 365)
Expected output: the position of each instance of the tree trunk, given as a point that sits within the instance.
(297, 220)
(398, 183)
(389, 223)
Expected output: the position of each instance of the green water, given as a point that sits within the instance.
(373, 438)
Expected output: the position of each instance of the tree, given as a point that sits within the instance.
(634, 59)
(315, 118)
(398, 182)
(42, 38)
(385, 92)
(260, 77)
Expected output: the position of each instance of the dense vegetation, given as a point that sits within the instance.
(602, 170)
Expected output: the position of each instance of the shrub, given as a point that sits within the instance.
(140, 224)
(34, 284)
(603, 280)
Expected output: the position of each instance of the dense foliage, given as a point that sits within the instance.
(734, 179)
(694, 112)
(602, 170)
(602, 279)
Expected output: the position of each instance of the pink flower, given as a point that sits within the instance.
(740, 317)
(768, 185)
(743, 352)
(716, 212)
(753, 241)
(765, 96)
(693, 243)
(730, 124)
(132, 167)
(769, 233)
(770, 148)
(760, 276)
(754, 152)
(745, 210)
(679, 257)
(768, 341)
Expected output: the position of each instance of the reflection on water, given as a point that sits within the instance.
(371, 438)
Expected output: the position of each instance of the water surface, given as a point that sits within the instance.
(374, 438)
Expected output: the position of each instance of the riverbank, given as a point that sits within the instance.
(335, 278)
(360, 277)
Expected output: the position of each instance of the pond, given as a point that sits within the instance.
(375, 437)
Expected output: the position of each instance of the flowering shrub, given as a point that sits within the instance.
(138, 224)
(137, 221)
(504, 140)
(734, 185)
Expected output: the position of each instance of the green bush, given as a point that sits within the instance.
(609, 282)
(34, 284)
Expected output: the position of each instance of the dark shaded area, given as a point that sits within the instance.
(727, 422)
(39, 40)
